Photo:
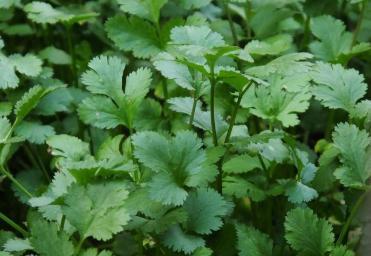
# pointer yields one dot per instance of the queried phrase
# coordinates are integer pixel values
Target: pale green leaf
(337, 87)
(352, 144)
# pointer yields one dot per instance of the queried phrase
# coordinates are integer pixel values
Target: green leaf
(241, 164)
(101, 112)
(172, 69)
(178, 162)
(55, 56)
(5, 127)
(111, 106)
(195, 41)
(205, 208)
(337, 87)
(308, 234)
(202, 118)
(44, 13)
(17, 245)
(353, 145)
(29, 65)
(299, 192)
(105, 77)
(334, 41)
(146, 9)
(341, 251)
(134, 35)
(241, 187)
(192, 4)
(8, 79)
(103, 208)
(252, 242)
(47, 239)
(271, 46)
(275, 104)
(286, 65)
(30, 100)
(61, 146)
(34, 132)
(178, 241)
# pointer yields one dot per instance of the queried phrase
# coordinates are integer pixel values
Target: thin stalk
(350, 218)
(306, 35)
(193, 111)
(360, 21)
(63, 221)
(79, 245)
(36, 162)
(235, 111)
(330, 123)
(15, 181)
(247, 21)
(162, 43)
(13, 224)
(71, 51)
(164, 88)
(230, 21)
(212, 105)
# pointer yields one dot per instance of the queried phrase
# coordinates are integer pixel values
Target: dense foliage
(183, 127)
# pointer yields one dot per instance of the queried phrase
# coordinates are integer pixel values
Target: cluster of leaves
(183, 127)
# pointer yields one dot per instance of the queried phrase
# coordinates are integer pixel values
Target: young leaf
(308, 234)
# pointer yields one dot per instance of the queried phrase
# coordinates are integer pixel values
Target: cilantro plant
(184, 127)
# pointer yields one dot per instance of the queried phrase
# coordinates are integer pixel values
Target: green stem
(235, 111)
(79, 245)
(15, 182)
(248, 15)
(230, 21)
(13, 224)
(330, 123)
(71, 51)
(212, 105)
(63, 221)
(350, 218)
(306, 35)
(36, 162)
(193, 110)
(164, 88)
(360, 21)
